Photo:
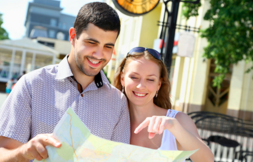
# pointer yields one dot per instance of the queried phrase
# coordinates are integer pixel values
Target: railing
(229, 138)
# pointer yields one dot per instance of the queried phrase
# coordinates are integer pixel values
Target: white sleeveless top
(168, 140)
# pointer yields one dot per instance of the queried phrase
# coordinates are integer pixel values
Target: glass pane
(51, 33)
(28, 62)
(5, 60)
(53, 22)
(16, 65)
(42, 60)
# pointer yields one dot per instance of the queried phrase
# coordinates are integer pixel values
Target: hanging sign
(186, 44)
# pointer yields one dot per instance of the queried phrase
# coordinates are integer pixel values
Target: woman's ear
(160, 84)
(72, 36)
(122, 79)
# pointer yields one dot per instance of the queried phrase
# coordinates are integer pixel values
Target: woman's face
(141, 79)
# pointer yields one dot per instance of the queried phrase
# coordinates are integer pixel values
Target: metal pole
(172, 22)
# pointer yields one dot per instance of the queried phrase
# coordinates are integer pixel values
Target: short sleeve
(15, 113)
(121, 132)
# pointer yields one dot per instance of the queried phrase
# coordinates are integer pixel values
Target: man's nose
(98, 53)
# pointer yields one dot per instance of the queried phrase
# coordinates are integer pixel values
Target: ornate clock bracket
(171, 20)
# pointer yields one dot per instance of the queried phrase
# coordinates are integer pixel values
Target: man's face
(93, 49)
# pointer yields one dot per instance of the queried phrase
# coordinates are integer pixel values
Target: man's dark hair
(98, 13)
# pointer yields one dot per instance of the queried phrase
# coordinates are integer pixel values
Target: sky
(14, 14)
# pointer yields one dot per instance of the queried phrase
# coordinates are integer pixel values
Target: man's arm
(14, 151)
(15, 128)
(8, 150)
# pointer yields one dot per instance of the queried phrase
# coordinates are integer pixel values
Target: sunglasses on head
(153, 52)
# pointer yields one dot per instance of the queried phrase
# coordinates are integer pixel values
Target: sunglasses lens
(154, 53)
(137, 49)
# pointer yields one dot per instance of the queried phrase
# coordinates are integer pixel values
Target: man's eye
(91, 42)
(109, 47)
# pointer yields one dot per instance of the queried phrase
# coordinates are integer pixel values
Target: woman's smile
(138, 94)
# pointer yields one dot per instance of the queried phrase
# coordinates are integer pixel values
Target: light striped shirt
(41, 97)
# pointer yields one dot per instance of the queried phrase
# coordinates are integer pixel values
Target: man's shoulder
(42, 74)
(115, 92)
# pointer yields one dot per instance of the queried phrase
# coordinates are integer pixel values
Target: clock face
(135, 7)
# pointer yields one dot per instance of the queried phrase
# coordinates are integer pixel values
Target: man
(41, 97)
(23, 73)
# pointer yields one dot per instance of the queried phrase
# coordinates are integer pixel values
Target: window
(53, 22)
(64, 26)
(51, 34)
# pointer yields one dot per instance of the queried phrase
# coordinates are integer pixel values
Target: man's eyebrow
(110, 44)
(94, 40)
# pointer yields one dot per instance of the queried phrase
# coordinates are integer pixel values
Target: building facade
(21, 55)
(44, 19)
(191, 77)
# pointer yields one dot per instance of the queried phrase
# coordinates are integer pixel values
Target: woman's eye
(151, 80)
(133, 77)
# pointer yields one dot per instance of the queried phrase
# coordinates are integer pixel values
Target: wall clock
(135, 7)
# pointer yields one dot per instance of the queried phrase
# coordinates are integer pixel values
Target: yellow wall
(246, 103)
(190, 82)
(235, 92)
(192, 89)
(149, 28)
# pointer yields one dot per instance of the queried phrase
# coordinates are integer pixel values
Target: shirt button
(82, 95)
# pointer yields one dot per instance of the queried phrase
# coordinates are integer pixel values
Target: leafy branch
(3, 32)
(230, 35)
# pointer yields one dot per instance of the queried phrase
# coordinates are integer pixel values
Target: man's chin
(91, 73)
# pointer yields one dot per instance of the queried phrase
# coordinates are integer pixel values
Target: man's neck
(80, 77)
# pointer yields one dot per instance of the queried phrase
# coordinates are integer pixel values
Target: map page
(79, 145)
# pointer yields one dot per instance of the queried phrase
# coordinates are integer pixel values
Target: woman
(9, 85)
(142, 76)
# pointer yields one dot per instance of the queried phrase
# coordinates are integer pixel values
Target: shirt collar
(64, 71)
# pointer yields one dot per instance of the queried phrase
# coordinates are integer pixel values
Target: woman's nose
(141, 84)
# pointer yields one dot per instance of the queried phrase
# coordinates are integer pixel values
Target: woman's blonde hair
(163, 98)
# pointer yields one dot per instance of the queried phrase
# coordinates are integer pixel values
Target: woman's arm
(185, 132)
(187, 136)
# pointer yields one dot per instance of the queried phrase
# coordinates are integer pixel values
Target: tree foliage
(190, 9)
(3, 32)
(230, 34)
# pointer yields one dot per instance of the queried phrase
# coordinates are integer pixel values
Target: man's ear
(72, 36)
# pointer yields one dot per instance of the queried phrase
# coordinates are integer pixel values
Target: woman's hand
(156, 125)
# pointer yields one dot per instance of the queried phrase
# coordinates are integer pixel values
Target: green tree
(3, 32)
(230, 34)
